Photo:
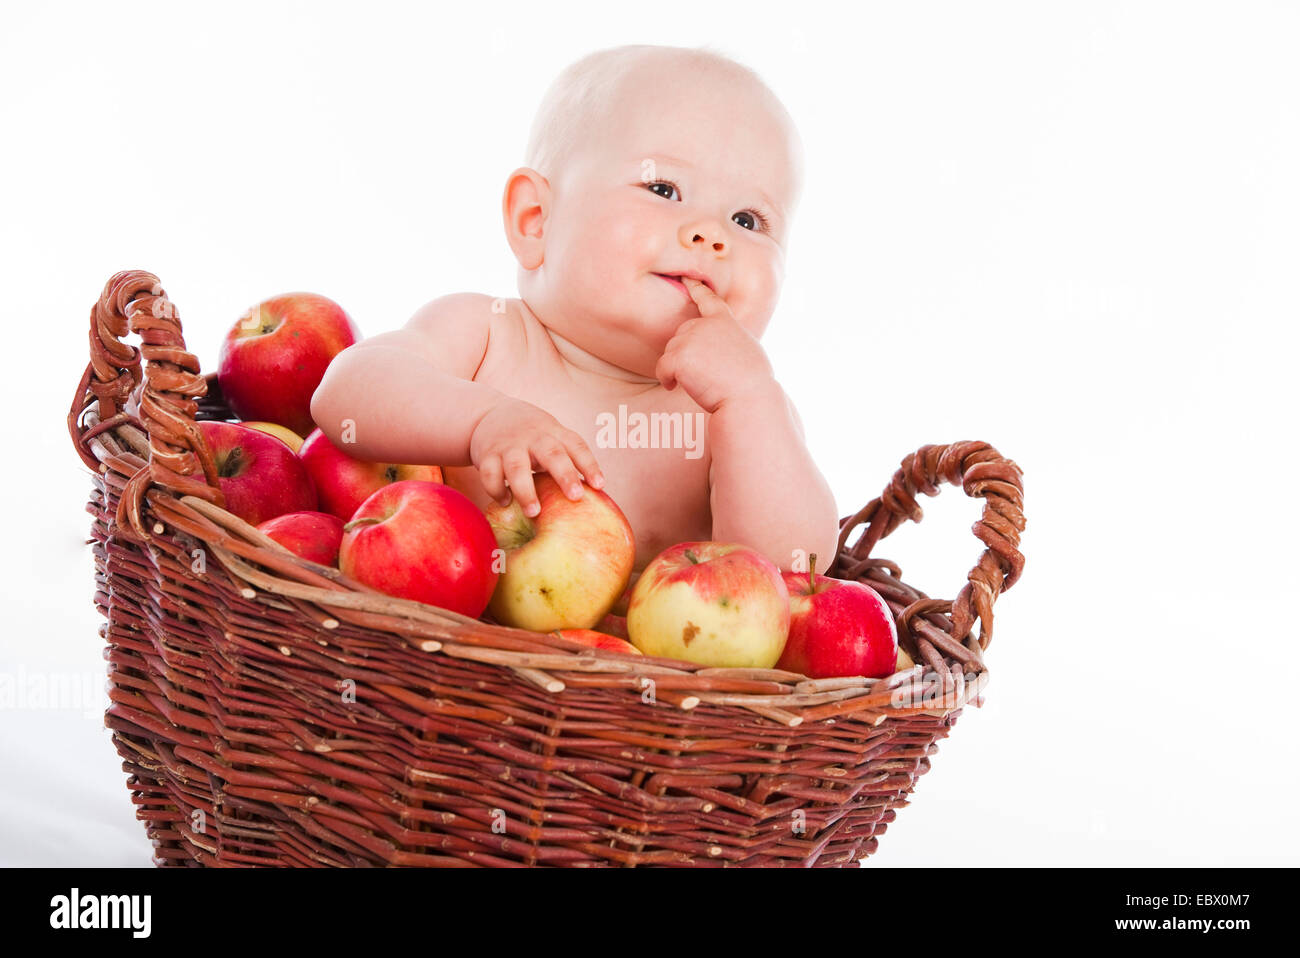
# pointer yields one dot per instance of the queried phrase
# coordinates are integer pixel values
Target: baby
(650, 225)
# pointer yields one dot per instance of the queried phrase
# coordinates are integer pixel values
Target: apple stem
(691, 555)
(230, 466)
(812, 564)
(364, 520)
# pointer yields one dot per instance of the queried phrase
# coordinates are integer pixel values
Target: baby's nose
(694, 235)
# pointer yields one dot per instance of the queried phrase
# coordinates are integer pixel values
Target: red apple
(423, 541)
(564, 567)
(599, 640)
(344, 482)
(613, 625)
(276, 354)
(259, 475)
(714, 603)
(312, 535)
(837, 627)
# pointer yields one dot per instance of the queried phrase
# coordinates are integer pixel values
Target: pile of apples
(399, 529)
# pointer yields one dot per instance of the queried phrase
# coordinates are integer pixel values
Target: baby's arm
(411, 398)
(409, 392)
(765, 489)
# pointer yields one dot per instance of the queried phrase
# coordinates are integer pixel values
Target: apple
(599, 640)
(424, 541)
(344, 482)
(564, 568)
(291, 438)
(259, 475)
(276, 354)
(837, 628)
(312, 535)
(714, 603)
(613, 625)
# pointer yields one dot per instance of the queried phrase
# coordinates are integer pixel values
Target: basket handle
(179, 458)
(981, 471)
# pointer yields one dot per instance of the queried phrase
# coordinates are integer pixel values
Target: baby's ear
(525, 207)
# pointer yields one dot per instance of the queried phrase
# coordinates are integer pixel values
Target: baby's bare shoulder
(519, 342)
(455, 331)
(469, 311)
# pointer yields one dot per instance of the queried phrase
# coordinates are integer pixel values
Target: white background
(1071, 230)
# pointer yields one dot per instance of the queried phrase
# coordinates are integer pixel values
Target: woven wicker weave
(270, 711)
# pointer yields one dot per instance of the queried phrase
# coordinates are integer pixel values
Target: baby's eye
(672, 188)
(754, 219)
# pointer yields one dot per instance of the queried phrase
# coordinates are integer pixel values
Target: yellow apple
(714, 603)
(291, 438)
(564, 568)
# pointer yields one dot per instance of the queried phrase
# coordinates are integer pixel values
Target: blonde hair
(581, 97)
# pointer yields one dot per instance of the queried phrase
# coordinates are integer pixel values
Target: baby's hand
(713, 357)
(516, 436)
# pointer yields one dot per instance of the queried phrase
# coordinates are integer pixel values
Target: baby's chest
(655, 459)
(655, 463)
(664, 495)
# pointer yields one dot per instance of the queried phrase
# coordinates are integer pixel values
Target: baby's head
(645, 160)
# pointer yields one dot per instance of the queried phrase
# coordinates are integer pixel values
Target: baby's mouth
(676, 282)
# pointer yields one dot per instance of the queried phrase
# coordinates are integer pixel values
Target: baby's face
(687, 177)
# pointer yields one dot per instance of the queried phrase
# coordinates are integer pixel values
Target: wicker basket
(270, 711)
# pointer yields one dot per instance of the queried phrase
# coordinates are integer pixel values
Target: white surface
(1067, 229)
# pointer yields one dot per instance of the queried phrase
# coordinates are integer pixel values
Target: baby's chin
(606, 338)
(609, 321)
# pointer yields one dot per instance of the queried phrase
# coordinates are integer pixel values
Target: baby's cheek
(585, 272)
(624, 237)
(753, 306)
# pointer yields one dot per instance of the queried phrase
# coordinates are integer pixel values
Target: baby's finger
(555, 460)
(664, 371)
(709, 302)
(586, 461)
(520, 475)
(491, 474)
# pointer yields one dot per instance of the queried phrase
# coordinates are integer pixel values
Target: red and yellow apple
(423, 541)
(259, 475)
(344, 482)
(564, 568)
(276, 354)
(291, 438)
(599, 640)
(312, 535)
(837, 628)
(714, 603)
